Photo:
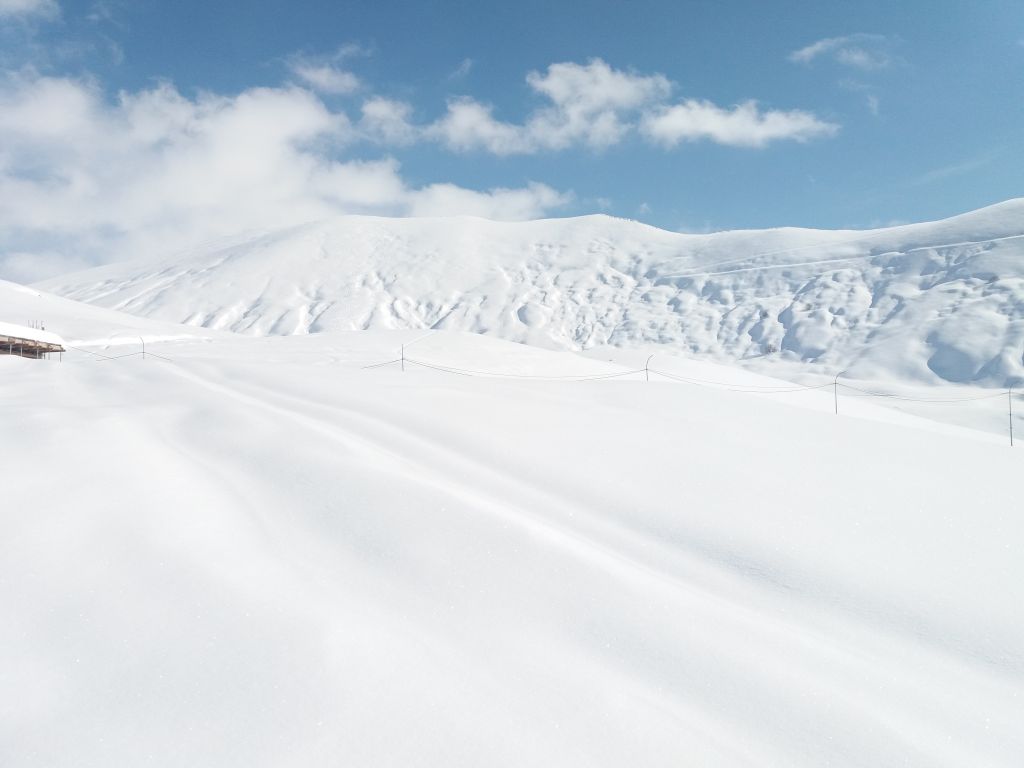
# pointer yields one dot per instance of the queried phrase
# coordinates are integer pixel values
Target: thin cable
(869, 393)
(378, 365)
(420, 338)
(437, 368)
(119, 357)
(88, 352)
(488, 374)
(741, 388)
(131, 354)
(471, 372)
(751, 389)
(691, 380)
(144, 354)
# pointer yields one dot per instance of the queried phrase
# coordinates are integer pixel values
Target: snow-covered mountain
(932, 302)
(82, 324)
(279, 536)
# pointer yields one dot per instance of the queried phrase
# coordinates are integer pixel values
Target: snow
(26, 332)
(259, 552)
(369, 529)
(925, 304)
(77, 324)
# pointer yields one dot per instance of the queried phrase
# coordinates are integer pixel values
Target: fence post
(647, 373)
(1009, 401)
(403, 358)
(835, 390)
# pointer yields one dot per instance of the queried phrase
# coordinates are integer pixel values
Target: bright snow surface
(259, 553)
(16, 331)
(932, 303)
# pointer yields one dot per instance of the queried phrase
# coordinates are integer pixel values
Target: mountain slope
(262, 554)
(939, 301)
(84, 325)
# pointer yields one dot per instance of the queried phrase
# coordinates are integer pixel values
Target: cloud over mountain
(155, 169)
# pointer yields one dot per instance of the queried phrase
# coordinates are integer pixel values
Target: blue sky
(135, 124)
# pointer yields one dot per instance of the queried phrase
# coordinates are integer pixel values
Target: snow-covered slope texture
(261, 555)
(941, 301)
(84, 325)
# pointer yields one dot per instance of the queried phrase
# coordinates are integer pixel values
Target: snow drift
(932, 303)
(261, 554)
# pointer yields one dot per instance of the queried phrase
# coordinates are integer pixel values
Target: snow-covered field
(933, 303)
(259, 553)
(319, 545)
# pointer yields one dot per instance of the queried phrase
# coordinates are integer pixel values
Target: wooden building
(23, 341)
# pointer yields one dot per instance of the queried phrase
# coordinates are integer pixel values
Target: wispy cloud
(744, 125)
(529, 202)
(24, 8)
(960, 168)
(464, 68)
(325, 78)
(108, 12)
(325, 73)
(871, 100)
(353, 50)
(861, 51)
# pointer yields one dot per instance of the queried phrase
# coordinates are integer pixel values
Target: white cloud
(469, 125)
(745, 125)
(325, 78)
(865, 52)
(531, 202)
(44, 8)
(588, 104)
(388, 121)
(323, 73)
(85, 180)
(597, 106)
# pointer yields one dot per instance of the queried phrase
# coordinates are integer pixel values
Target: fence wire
(850, 390)
(103, 358)
(754, 389)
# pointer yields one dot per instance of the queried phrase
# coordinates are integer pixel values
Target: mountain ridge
(932, 302)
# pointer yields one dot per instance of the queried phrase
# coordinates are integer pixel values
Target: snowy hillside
(929, 303)
(261, 553)
(81, 324)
